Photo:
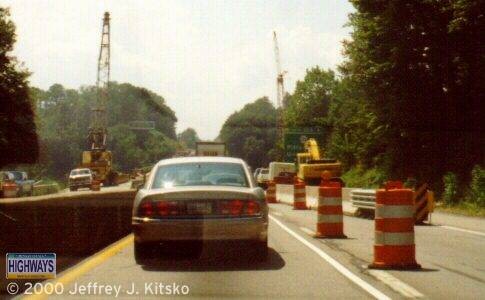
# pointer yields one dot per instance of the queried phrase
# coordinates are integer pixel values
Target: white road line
(463, 230)
(340, 268)
(396, 284)
(307, 231)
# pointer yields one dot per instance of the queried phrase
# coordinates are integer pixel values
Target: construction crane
(98, 131)
(98, 159)
(280, 87)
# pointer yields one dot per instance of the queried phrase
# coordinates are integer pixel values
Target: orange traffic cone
(394, 246)
(330, 223)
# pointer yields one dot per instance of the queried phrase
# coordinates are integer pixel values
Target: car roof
(81, 169)
(196, 159)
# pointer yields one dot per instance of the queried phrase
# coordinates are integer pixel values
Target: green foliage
(64, 117)
(420, 65)
(18, 138)
(188, 138)
(477, 186)
(364, 178)
(450, 194)
(251, 132)
(308, 106)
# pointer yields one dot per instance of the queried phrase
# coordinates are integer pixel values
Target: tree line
(404, 104)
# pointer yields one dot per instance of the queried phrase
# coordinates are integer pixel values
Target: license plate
(199, 208)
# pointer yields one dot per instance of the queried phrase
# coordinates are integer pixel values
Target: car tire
(260, 250)
(72, 189)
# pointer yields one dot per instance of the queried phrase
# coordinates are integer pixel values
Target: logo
(31, 265)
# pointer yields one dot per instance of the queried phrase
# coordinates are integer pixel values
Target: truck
(210, 149)
(311, 165)
(99, 161)
(282, 172)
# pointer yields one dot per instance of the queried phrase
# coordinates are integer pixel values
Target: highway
(299, 266)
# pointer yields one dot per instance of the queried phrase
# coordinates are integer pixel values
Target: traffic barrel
(271, 192)
(299, 195)
(10, 189)
(394, 246)
(330, 222)
(95, 185)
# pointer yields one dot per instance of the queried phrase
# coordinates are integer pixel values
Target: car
(197, 199)
(25, 186)
(8, 187)
(256, 173)
(263, 178)
(80, 178)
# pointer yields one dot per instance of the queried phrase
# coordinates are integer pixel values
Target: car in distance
(263, 178)
(200, 199)
(25, 186)
(256, 173)
(80, 178)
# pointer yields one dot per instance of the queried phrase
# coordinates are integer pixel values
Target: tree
(18, 138)
(308, 105)
(251, 132)
(420, 66)
(188, 138)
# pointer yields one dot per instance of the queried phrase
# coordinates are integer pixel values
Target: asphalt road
(299, 266)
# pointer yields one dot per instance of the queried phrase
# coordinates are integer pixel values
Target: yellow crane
(98, 158)
(311, 164)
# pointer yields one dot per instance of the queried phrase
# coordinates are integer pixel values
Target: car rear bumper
(153, 230)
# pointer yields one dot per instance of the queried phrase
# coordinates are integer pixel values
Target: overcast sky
(206, 58)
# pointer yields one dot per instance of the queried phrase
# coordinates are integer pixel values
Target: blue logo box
(31, 265)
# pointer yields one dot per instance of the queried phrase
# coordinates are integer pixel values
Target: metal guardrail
(363, 198)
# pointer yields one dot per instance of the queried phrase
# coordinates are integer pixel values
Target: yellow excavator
(311, 165)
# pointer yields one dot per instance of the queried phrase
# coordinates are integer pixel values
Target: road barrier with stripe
(394, 246)
(365, 200)
(330, 220)
(299, 195)
(271, 192)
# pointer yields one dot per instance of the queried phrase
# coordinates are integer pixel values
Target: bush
(450, 193)
(476, 192)
(360, 178)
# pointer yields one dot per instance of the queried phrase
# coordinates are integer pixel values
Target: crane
(98, 158)
(97, 130)
(280, 87)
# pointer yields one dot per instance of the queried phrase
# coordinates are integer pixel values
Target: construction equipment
(310, 165)
(280, 87)
(98, 158)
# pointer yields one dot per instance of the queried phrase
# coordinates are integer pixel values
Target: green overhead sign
(294, 142)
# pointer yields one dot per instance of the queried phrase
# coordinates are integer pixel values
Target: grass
(462, 208)
(367, 179)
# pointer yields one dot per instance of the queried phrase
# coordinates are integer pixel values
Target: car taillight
(236, 207)
(239, 207)
(252, 208)
(146, 209)
(162, 208)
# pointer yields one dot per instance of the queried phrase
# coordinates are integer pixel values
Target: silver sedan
(200, 199)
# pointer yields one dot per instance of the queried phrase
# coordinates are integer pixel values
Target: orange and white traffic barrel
(95, 185)
(394, 246)
(271, 192)
(330, 222)
(299, 195)
(10, 189)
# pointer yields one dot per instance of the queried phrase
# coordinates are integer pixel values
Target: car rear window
(264, 172)
(197, 174)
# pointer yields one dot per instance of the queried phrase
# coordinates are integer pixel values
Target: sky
(207, 59)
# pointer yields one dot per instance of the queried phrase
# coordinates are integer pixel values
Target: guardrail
(364, 199)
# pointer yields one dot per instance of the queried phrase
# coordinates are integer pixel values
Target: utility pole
(98, 131)
(280, 87)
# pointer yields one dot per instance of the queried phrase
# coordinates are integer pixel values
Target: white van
(276, 168)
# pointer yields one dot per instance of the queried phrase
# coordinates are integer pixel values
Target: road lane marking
(277, 213)
(89, 264)
(307, 231)
(395, 284)
(339, 267)
(463, 230)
